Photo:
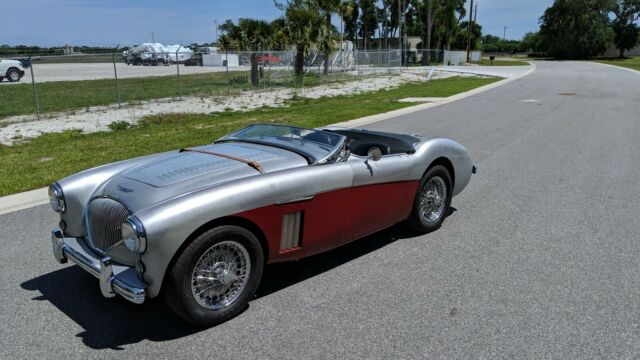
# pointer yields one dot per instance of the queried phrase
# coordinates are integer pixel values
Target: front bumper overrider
(114, 278)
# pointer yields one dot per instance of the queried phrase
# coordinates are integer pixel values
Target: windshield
(316, 146)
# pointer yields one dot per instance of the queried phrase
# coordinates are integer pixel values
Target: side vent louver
(291, 230)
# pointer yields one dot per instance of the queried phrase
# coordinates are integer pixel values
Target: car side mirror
(374, 153)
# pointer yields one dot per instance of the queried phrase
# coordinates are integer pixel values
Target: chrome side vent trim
(291, 231)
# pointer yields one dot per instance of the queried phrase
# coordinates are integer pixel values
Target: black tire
(178, 288)
(13, 75)
(418, 222)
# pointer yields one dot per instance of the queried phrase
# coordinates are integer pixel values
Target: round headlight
(133, 235)
(56, 198)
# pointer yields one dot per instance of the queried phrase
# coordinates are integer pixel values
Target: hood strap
(254, 164)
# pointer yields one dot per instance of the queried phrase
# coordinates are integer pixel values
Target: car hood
(172, 174)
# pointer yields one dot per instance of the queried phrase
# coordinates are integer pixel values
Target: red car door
(382, 195)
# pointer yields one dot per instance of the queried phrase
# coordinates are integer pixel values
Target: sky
(128, 22)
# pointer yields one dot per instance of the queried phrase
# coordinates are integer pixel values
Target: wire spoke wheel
(220, 275)
(433, 199)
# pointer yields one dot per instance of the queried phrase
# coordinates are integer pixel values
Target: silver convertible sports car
(198, 225)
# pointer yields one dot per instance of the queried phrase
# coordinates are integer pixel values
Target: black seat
(362, 149)
(360, 141)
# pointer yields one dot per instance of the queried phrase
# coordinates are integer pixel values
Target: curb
(33, 198)
(616, 67)
(24, 200)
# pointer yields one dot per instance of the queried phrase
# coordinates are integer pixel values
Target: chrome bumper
(114, 278)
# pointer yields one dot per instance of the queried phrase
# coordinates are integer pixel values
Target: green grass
(79, 59)
(501, 62)
(79, 95)
(38, 162)
(631, 63)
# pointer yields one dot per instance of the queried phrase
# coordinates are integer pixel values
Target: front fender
(169, 224)
(79, 188)
(431, 150)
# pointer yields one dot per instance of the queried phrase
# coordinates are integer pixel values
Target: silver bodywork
(174, 194)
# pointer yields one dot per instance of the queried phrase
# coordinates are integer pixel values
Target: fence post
(178, 74)
(226, 56)
(33, 89)
(269, 70)
(115, 72)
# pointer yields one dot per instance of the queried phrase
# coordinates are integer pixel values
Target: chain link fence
(85, 83)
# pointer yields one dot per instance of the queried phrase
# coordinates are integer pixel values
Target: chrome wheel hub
(433, 200)
(220, 275)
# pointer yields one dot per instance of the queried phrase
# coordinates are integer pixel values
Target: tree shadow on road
(114, 323)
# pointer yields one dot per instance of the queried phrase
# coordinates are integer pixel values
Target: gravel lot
(98, 118)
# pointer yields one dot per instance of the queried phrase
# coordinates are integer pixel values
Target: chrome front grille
(105, 217)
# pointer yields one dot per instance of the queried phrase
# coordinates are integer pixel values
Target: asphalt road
(541, 258)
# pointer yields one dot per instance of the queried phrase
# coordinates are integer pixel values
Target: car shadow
(114, 323)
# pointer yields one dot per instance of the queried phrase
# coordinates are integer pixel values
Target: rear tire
(433, 200)
(13, 75)
(215, 276)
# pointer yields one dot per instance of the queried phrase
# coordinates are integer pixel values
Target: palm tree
(328, 8)
(249, 34)
(256, 36)
(327, 43)
(304, 29)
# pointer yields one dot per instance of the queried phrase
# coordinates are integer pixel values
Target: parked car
(267, 59)
(198, 225)
(12, 70)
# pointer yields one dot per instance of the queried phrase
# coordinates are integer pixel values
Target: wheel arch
(444, 161)
(226, 220)
(12, 68)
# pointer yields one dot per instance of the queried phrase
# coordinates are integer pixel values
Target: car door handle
(300, 199)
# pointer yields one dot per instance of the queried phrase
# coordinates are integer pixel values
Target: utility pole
(342, 39)
(475, 13)
(400, 34)
(153, 38)
(504, 39)
(469, 25)
(215, 22)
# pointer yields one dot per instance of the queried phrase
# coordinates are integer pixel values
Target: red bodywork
(335, 218)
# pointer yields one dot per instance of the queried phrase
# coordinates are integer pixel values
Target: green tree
(576, 29)
(462, 36)
(248, 35)
(627, 33)
(329, 33)
(304, 28)
(368, 20)
(448, 17)
(530, 43)
(351, 19)
(428, 9)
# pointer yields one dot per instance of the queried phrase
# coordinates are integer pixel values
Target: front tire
(433, 200)
(13, 75)
(215, 276)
